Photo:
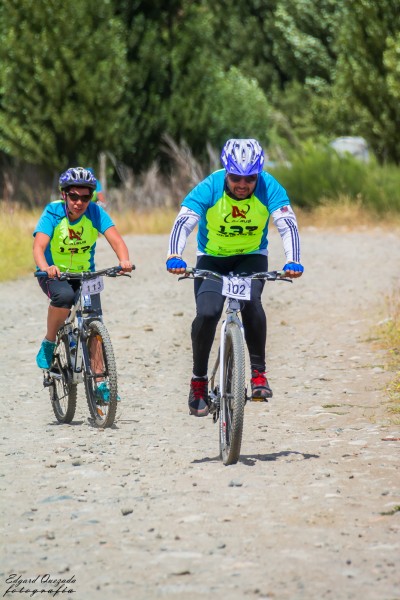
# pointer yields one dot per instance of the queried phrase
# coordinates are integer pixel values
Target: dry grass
(388, 333)
(17, 225)
(345, 214)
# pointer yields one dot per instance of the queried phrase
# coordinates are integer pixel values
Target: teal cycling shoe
(103, 392)
(45, 354)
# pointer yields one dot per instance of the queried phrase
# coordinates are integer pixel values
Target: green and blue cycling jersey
(228, 226)
(72, 243)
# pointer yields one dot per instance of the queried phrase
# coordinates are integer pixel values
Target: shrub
(316, 173)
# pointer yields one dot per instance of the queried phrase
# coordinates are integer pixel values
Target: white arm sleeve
(184, 224)
(286, 223)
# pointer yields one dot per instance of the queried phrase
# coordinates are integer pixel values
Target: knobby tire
(63, 393)
(233, 402)
(100, 351)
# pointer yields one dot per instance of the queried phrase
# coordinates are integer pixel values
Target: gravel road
(146, 510)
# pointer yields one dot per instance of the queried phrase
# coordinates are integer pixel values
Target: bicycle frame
(81, 355)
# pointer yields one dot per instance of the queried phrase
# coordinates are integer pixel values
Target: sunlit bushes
(317, 173)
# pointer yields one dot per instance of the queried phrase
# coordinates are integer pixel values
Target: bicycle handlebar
(84, 275)
(192, 273)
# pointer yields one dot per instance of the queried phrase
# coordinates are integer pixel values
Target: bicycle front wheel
(63, 393)
(234, 398)
(101, 375)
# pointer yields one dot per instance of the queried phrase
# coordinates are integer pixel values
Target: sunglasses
(238, 178)
(77, 197)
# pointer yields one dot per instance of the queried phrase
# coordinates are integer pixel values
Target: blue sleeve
(206, 193)
(276, 195)
(100, 218)
(49, 218)
(99, 187)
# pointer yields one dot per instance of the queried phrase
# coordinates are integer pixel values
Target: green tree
(178, 83)
(278, 41)
(304, 39)
(367, 78)
(149, 42)
(287, 46)
(210, 103)
(391, 59)
(244, 38)
(62, 81)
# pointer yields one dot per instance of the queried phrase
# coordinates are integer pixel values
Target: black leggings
(210, 302)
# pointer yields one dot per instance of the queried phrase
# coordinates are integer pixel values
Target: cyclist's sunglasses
(85, 198)
(238, 178)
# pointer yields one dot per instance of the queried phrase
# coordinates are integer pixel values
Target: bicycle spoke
(101, 376)
(63, 392)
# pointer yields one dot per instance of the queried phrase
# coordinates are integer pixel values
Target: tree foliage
(178, 83)
(368, 72)
(63, 76)
(83, 76)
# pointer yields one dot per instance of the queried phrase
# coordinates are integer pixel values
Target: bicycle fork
(218, 391)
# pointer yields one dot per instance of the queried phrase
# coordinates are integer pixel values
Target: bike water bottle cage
(242, 157)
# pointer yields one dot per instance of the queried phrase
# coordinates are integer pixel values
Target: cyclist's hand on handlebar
(126, 266)
(176, 265)
(293, 270)
(52, 271)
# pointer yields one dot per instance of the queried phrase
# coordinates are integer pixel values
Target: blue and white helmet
(242, 157)
(77, 176)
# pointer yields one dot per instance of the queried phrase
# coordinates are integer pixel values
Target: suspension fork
(80, 359)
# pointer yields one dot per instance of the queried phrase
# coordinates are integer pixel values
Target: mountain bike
(84, 353)
(228, 395)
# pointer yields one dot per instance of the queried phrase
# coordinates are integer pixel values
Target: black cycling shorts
(62, 293)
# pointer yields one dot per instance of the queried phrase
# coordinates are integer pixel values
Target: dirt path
(146, 510)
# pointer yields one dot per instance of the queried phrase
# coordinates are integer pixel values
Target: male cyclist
(232, 208)
(65, 240)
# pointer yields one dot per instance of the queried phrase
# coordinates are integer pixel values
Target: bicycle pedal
(55, 374)
(47, 382)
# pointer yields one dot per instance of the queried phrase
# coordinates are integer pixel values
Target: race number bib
(236, 287)
(93, 286)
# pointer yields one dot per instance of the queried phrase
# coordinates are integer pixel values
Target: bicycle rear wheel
(233, 401)
(102, 373)
(63, 393)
